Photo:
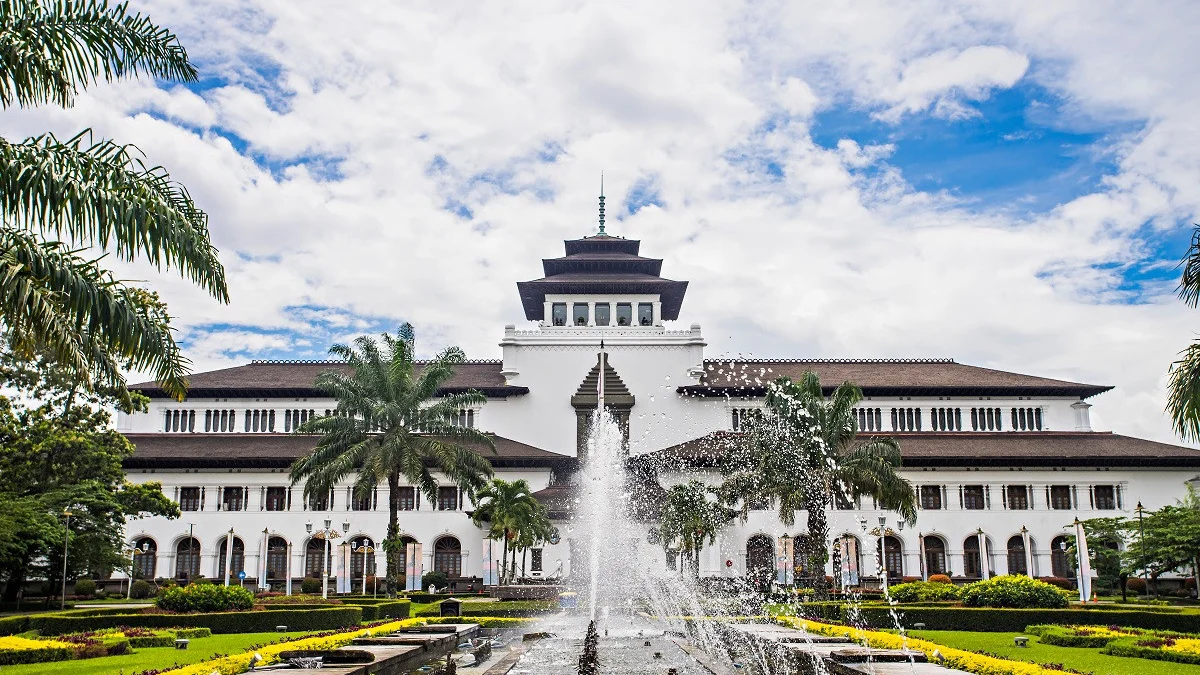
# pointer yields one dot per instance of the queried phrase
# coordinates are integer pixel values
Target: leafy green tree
(392, 423)
(692, 515)
(55, 461)
(1105, 539)
(1166, 540)
(803, 453)
(513, 515)
(61, 199)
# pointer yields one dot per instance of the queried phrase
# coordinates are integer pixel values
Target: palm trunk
(818, 547)
(504, 561)
(394, 573)
(524, 555)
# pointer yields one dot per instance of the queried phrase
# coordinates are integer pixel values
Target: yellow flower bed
(14, 650)
(234, 665)
(1185, 645)
(953, 658)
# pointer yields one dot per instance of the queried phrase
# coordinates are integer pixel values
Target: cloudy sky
(1008, 184)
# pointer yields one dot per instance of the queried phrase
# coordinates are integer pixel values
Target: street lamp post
(66, 542)
(1142, 543)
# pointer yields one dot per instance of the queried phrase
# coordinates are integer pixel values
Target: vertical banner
(1084, 565)
(921, 552)
(343, 572)
(262, 561)
(784, 574)
(229, 555)
(412, 563)
(985, 566)
(287, 567)
(849, 546)
(1028, 553)
(490, 573)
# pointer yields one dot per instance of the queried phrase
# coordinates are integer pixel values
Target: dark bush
(510, 608)
(438, 579)
(1136, 584)
(206, 598)
(987, 620)
(200, 581)
(85, 587)
(1058, 582)
(259, 621)
(141, 589)
(385, 609)
(923, 591)
(939, 579)
(1014, 591)
(310, 585)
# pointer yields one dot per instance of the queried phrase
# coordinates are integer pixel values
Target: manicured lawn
(1085, 660)
(200, 649)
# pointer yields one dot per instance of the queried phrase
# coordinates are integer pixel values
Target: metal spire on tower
(601, 203)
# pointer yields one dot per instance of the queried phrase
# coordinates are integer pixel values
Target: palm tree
(803, 453)
(689, 518)
(60, 198)
(391, 423)
(1183, 390)
(513, 515)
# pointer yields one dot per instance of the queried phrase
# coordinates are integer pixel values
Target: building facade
(1003, 462)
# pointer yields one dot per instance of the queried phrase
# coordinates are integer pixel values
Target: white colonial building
(1001, 459)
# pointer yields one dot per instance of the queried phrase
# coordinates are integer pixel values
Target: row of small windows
(1021, 497)
(264, 420)
(913, 419)
(579, 313)
(193, 498)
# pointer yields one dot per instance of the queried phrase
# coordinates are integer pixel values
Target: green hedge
(383, 609)
(145, 641)
(31, 605)
(259, 621)
(11, 625)
(205, 598)
(1066, 637)
(510, 608)
(1129, 647)
(998, 620)
(193, 633)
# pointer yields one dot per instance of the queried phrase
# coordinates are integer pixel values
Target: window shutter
(220, 497)
(262, 501)
(987, 497)
(202, 491)
(1004, 496)
(1120, 497)
(417, 498)
(1092, 497)
(962, 503)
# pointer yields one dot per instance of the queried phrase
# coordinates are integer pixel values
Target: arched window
(971, 566)
(935, 555)
(760, 559)
(1016, 555)
(187, 558)
(1060, 564)
(403, 555)
(312, 558)
(800, 544)
(447, 556)
(362, 552)
(277, 558)
(239, 559)
(145, 561)
(893, 557)
(847, 559)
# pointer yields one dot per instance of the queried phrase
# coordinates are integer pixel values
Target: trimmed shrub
(988, 620)
(939, 579)
(1058, 582)
(385, 609)
(200, 581)
(924, 591)
(205, 598)
(1067, 637)
(14, 650)
(1136, 584)
(1149, 648)
(11, 625)
(140, 590)
(310, 585)
(258, 621)
(191, 633)
(508, 608)
(1014, 591)
(85, 587)
(438, 579)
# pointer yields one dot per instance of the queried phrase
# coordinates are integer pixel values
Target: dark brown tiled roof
(882, 377)
(965, 448)
(280, 450)
(295, 378)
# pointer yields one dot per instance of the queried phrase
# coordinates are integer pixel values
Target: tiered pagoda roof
(602, 264)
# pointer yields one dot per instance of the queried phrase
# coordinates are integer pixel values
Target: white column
(657, 313)
(1083, 421)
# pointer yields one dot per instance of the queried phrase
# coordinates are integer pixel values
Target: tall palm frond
(1183, 393)
(50, 51)
(54, 298)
